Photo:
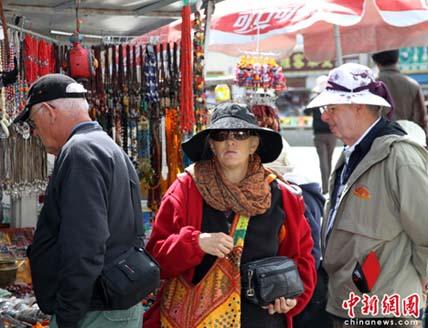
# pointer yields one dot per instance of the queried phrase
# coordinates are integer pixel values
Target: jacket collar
(84, 127)
(374, 147)
(389, 68)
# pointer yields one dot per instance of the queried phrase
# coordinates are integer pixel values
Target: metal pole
(208, 15)
(5, 35)
(1, 205)
(339, 59)
(258, 40)
(41, 36)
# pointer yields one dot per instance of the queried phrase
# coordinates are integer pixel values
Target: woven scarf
(250, 197)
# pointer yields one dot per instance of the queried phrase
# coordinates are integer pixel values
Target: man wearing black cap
(88, 218)
(406, 92)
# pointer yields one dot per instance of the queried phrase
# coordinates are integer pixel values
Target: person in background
(374, 236)
(192, 233)
(267, 117)
(88, 217)
(314, 314)
(414, 132)
(406, 92)
(324, 140)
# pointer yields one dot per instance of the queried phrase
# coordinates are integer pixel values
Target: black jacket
(87, 220)
(318, 125)
(314, 206)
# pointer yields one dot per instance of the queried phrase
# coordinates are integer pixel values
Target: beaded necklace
(201, 113)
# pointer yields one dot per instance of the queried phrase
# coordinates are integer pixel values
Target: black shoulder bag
(134, 274)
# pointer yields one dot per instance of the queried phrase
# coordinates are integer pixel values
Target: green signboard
(298, 62)
(414, 60)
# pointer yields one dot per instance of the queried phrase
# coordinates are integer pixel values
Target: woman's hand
(281, 305)
(218, 243)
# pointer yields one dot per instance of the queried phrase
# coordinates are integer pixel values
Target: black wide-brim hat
(229, 116)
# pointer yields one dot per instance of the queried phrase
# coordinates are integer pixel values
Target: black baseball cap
(50, 87)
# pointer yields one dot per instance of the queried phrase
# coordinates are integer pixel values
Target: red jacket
(174, 240)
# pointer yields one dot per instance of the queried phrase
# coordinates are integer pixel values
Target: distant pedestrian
(414, 132)
(324, 140)
(406, 92)
(314, 314)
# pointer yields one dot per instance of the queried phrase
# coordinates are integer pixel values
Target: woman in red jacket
(224, 211)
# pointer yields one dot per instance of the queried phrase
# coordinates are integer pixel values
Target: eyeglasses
(327, 109)
(30, 121)
(239, 135)
(31, 124)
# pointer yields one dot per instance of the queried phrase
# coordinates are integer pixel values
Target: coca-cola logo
(290, 17)
(251, 23)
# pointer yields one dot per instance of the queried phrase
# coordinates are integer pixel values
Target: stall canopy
(99, 18)
(364, 26)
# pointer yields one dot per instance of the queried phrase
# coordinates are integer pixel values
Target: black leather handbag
(134, 274)
(267, 279)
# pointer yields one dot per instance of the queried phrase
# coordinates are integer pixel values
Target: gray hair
(375, 110)
(68, 106)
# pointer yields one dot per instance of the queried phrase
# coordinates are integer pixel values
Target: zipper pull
(250, 290)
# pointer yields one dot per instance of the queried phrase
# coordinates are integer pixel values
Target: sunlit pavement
(303, 153)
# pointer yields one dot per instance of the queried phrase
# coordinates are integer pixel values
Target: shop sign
(294, 122)
(298, 62)
(414, 59)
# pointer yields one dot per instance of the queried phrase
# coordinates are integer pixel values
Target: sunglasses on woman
(239, 135)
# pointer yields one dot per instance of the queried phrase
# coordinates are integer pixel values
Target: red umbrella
(165, 34)
(364, 26)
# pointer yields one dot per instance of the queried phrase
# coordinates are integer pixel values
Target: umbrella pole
(208, 15)
(339, 59)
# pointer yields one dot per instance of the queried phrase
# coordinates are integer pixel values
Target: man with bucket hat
(87, 219)
(374, 236)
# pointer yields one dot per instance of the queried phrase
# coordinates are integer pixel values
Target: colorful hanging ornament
(201, 113)
(254, 72)
(186, 87)
(153, 108)
(80, 60)
(31, 49)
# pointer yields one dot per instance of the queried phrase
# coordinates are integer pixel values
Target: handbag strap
(240, 225)
(135, 197)
(240, 222)
(240, 229)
